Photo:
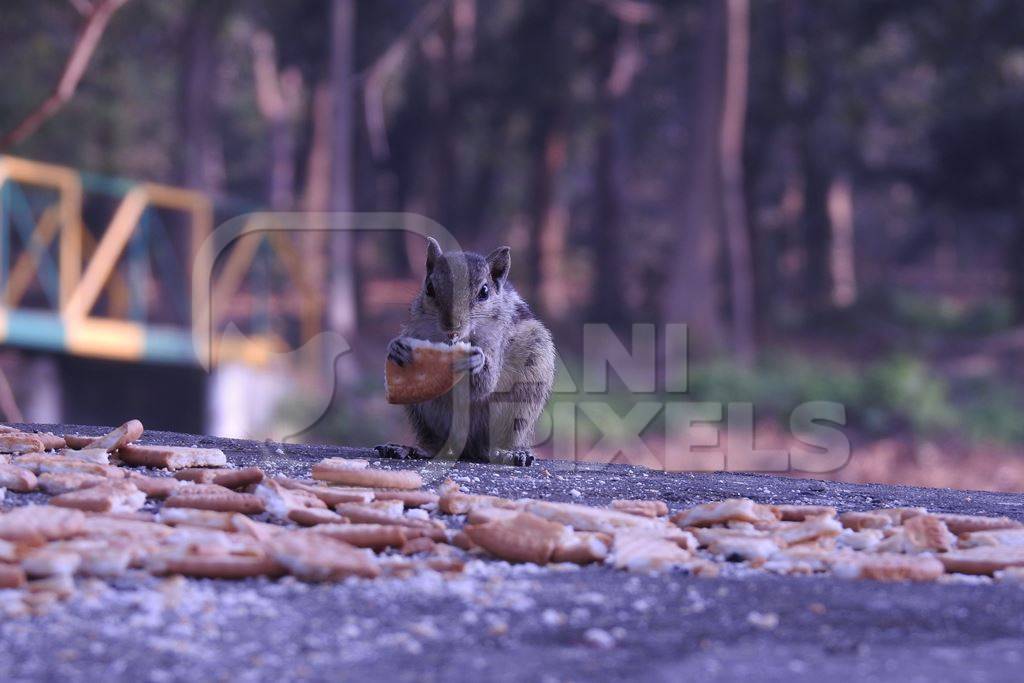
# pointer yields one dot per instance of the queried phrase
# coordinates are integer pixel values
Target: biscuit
(362, 514)
(410, 499)
(733, 509)
(331, 495)
(458, 503)
(98, 557)
(314, 557)
(811, 529)
(214, 566)
(798, 513)
(1005, 537)
(644, 508)
(585, 518)
(11, 576)
(99, 456)
(280, 501)
(172, 457)
(583, 547)
(983, 559)
(51, 442)
(20, 442)
(49, 561)
(524, 538)
(209, 519)
(46, 462)
(889, 567)
(429, 375)
(866, 520)
(228, 478)
(154, 487)
(645, 553)
(959, 524)
(314, 516)
(118, 438)
(330, 471)
(926, 533)
(223, 502)
(56, 483)
(36, 524)
(375, 536)
(744, 548)
(17, 478)
(112, 496)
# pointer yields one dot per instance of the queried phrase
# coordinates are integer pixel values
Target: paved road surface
(500, 622)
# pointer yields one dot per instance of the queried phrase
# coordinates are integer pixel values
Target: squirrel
(467, 297)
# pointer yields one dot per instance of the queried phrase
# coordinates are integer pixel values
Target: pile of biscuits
(205, 518)
(892, 544)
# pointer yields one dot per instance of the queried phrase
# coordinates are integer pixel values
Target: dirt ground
(507, 622)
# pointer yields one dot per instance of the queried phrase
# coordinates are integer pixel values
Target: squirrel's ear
(433, 253)
(500, 261)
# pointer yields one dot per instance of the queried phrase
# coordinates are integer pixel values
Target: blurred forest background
(830, 192)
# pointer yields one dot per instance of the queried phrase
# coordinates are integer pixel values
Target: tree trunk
(609, 304)
(734, 112)
(843, 258)
(201, 165)
(551, 223)
(812, 151)
(817, 230)
(317, 195)
(277, 94)
(1015, 257)
(691, 295)
(440, 170)
(341, 306)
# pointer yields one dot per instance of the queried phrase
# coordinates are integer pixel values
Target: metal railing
(102, 267)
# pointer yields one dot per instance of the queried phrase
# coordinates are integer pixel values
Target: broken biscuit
(172, 457)
(643, 508)
(315, 557)
(17, 478)
(733, 509)
(331, 470)
(111, 496)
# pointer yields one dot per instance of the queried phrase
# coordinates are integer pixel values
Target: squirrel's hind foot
(517, 457)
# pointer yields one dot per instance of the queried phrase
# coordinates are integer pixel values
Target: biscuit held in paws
(428, 376)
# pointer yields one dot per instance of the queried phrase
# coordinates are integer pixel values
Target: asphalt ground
(502, 622)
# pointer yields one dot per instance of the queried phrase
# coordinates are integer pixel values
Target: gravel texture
(508, 622)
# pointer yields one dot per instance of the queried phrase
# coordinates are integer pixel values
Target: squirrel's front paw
(400, 351)
(472, 363)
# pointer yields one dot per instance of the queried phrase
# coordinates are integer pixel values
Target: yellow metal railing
(88, 268)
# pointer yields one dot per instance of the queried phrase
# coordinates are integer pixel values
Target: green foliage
(993, 412)
(943, 315)
(898, 392)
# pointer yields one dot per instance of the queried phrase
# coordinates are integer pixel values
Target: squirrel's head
(462, 288)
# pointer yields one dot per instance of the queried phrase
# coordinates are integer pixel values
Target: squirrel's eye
(484, 291)
(430, 289)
